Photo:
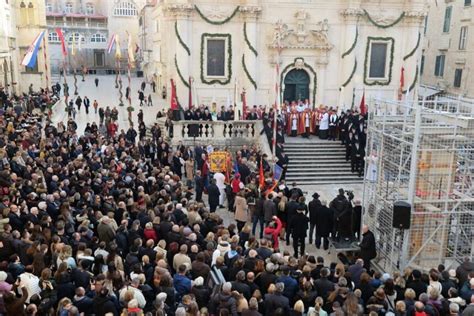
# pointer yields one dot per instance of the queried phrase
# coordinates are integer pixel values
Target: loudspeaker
(401, 215)
(193, 130)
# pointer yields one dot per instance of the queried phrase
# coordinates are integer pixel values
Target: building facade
(21, 22)
(448, 51)
(90, 25)
(327, 51)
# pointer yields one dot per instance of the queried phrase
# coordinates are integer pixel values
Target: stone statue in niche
(280, 33)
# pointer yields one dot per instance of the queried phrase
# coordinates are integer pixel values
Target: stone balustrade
(215, 130)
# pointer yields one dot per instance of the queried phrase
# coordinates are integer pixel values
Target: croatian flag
(32, 54)
(111, 44)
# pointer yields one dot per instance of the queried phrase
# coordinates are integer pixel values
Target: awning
(426, 92)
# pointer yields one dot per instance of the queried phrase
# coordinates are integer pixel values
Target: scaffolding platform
(421, 152)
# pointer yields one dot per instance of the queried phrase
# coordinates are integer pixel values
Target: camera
(350, 195)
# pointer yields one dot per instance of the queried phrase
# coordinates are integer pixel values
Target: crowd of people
(102, 222)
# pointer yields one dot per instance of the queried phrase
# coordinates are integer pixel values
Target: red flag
(402, 78)
(261, 178)
(244, 104)
(174, 101)
(190, 100)
(61, 38)
(363, 108)
(402, 83)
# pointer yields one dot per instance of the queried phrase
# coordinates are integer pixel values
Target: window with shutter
(463, 38)
(457, 78)
(467, 3)
(439, 65)
(422, 64)
(447, 19)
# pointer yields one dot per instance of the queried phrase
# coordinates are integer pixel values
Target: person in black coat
(356, 219)
(367, 247)
(313, 208)
(298, 227)
(342, 211)
(291, 208)
(213, 193)
(324, 224)
(357, 157)
(87, 104)
(198, 185)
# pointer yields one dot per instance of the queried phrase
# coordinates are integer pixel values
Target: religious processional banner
(218, 161)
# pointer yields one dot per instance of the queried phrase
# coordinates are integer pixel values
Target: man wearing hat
(313, 208)
(298, 227)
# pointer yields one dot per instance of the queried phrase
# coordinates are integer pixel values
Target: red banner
(61, 39)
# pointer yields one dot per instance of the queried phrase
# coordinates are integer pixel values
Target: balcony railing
(215, 130)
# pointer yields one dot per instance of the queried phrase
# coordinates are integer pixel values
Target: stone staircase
(315, 161)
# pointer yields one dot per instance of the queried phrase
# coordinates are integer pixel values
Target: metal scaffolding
(422, 153)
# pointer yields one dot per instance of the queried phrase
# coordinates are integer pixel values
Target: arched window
(98, 38)
(89, 8)
(68, 7)
(49, 7)
(125, 8)
(53, 37)
(76, 37)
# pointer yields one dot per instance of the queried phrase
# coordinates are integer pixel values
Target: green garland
(414, 49)
(315, 84)
(353, 44)
(254, 51)
(179, 72)
(252, 81)
(381, 25)
(217, 22)
(366, 72)
(352, 74)
(229, 61)
(412, 86)
(180, 40)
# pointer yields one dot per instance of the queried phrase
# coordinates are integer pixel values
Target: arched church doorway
(296, 85)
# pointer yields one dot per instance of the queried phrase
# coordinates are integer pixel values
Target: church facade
(326, 51)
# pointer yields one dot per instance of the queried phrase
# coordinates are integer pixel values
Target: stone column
(180, 14)
(350, 18)
(250, 14)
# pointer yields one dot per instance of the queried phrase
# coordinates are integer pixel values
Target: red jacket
(150, 233)
(274, 232)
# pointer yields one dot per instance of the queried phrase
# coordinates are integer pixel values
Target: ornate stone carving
(352, 12)
(302, 37)
(251, 11)
(299, 63)
(179, 10)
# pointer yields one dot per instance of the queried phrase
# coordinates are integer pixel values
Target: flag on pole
(32, 54)
(118, 52)
(79, 43)
(363, 107)
(244, 105)
(261, 176)
(73, 50)
(190, 97)
(61, 39)
(174, 101)
(111, 44)
(402, 83)
(131, 57)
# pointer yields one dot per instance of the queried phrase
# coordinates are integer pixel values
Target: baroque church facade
(329, 52)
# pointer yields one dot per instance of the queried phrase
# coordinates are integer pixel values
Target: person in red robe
(304, 124)
(315, 121)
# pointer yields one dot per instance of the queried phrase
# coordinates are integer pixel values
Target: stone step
(311, 145)
(329, 178)
(334, 155)
(331, 170)
(324, 182)
(316, 160)
(314, 150)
